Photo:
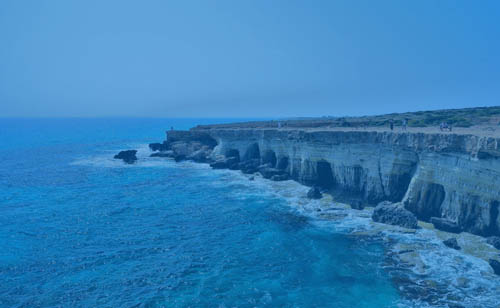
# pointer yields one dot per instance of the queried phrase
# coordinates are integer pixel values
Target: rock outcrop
(446, 176)
(128, 156)
(314, 193)
(394, 214)
(495, 265)
(494, 241)
(445, 225)
(452, 243)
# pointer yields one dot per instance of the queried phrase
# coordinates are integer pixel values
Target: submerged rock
(495, 265)
(127, 156)
(445, 225)
(314, 193)
(452, 243)
(494, 241)
(394, 214)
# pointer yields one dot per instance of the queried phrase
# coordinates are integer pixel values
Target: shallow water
(79, 229)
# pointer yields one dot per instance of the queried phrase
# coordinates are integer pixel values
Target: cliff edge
(454, 177)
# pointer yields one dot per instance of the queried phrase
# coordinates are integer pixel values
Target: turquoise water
(79, 229)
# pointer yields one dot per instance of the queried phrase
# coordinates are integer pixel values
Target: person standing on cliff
(391, 124)
(405, 123)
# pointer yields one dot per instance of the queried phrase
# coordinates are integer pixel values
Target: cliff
(442, 175)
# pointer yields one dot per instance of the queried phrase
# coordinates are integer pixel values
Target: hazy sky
(246, 58)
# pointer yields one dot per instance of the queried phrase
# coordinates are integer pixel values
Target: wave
(426, 272)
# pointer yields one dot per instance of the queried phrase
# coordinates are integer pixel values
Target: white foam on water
(105, 159)
(461, 278)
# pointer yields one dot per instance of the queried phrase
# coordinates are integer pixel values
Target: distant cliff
(456, 177)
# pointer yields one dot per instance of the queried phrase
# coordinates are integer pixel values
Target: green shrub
(416, 123)
(462, 123)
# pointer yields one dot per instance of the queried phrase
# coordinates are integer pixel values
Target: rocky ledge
(447, 179)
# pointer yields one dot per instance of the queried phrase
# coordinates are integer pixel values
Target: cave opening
(252, 152)
(233, 153)
(325, 174)
(493, 218)
(269, 157)
(282, 163)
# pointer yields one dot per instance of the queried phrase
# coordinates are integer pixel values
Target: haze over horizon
(246, 59)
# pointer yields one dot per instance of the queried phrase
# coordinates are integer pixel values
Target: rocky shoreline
(448, 180)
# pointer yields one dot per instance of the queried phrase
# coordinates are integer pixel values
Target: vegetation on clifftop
(465, 117)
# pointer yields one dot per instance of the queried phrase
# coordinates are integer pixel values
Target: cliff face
(456, 177)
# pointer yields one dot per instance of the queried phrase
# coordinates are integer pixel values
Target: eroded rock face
(425, 199)
(394, 214)
(128, 156)
(454, 177)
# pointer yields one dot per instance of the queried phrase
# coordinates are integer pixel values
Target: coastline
(426, 272)
(413, 254)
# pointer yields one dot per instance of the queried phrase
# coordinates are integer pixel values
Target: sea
(81, 229)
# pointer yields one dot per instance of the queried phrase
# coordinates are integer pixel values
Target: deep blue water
(79, 229)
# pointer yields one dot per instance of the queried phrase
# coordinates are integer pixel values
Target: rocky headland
(450, 180)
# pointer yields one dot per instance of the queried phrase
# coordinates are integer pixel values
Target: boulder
(127, 156)
(357, 205)
(494, 241)
(445, 225)
(394, 214)
(452, 243)
(279, 177)
(314, 193)
(495, 265)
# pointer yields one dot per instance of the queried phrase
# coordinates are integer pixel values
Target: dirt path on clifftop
(481, 131)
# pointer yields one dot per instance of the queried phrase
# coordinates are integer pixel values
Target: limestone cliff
(451, 176)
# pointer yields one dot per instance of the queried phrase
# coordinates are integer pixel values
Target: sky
(270, 58)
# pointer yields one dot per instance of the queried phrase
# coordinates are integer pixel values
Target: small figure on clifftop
(405, 123)
(171, 128)
(391, 124)
(444, 126)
